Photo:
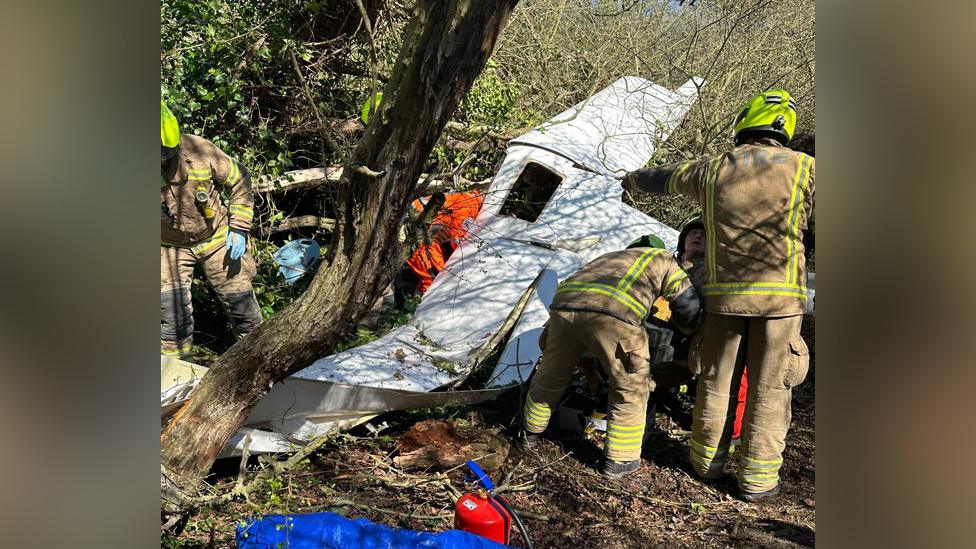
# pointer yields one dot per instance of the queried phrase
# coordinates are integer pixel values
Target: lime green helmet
(169, 131)
(647, 241)
(769, 114)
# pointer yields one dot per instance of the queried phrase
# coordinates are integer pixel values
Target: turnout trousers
(621, 348)
(230, 279)
(778, 360)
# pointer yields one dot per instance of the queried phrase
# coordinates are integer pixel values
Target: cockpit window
(531, 193)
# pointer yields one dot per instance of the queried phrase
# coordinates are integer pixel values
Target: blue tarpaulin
(332, 531)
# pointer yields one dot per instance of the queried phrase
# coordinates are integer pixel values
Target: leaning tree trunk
(445, 47)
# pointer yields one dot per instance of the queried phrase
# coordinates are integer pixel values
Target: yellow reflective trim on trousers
(640, 265)
(673, 180)
(625, 428)
(618, 446)
(607, 290)
(796, 203)
(762, 480)
(710, 242)
(621, 439)
(529, 400)
(212, 242)
(763, 461)
(536, 415)
(672, 283)
(626, 436)
(760, 468)
(707, 451)
(760, 475)
(707, 460)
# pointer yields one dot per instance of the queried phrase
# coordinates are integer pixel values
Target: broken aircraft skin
(553, 205)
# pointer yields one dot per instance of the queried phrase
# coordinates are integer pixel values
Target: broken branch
(368, 172)
(302, 222)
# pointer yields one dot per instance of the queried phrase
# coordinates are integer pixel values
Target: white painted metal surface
(618, 128)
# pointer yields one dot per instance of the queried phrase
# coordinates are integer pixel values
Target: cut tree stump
(435, 444)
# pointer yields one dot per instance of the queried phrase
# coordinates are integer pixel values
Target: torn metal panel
(176, 380)
(617, 129)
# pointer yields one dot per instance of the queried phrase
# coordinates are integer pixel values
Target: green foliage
(453, 414)
(445, 365)
(491, 100)
(274, 489)
(216, 56)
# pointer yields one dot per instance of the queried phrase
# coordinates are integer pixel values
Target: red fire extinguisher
(485, 514)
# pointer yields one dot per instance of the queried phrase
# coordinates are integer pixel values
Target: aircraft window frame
(550, 172)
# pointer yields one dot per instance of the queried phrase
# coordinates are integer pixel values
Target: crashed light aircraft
(553, 205)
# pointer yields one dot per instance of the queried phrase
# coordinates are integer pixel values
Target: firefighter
(691, 250)
(757, 200)
(198, 229)
(600, 310)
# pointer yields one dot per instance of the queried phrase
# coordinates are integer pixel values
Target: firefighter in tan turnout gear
(757, 201)
(600, 310)
(198, 229)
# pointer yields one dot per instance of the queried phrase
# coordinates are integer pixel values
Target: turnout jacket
(756, 200)
(625, 283)
(192, 212)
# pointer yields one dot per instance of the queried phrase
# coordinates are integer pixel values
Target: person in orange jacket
(448, 229)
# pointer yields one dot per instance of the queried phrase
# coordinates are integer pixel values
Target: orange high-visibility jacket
(448, 228)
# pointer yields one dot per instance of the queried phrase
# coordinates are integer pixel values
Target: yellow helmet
(169, 131)
(769, 114)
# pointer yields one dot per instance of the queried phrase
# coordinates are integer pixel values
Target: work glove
(236, 244)
(626, 182)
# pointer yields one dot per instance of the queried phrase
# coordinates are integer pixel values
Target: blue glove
(236, 244)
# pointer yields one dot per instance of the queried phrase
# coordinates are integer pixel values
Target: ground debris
(412, 475)
(436, 444)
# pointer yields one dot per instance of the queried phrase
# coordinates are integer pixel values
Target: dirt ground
(563, 501)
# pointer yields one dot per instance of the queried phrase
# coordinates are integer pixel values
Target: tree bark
(445, 46)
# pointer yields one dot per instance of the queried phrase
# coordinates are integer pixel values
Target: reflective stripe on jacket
(623, 284)
(757, 199)
(192, 212)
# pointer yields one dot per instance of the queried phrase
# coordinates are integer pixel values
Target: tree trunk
(445, 46)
